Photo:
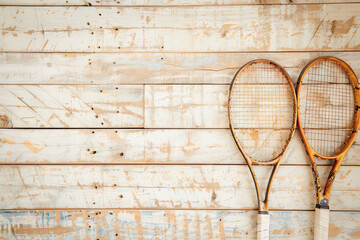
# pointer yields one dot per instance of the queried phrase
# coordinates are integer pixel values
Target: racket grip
(321, 224)
(263, 223)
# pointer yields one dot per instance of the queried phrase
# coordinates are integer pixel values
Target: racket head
(328, 117)
(262, 111)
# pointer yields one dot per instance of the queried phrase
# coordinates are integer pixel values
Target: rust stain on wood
(139, 228)
(6, 140)
(5, 121)
(31, 147)
(334, 230)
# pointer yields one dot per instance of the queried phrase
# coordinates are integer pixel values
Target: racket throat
(263, 207)
(324, 204)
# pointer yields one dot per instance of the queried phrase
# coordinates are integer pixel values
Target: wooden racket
(262, 113)
(329, 100)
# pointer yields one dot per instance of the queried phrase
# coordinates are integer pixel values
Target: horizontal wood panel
(61, 106)
(224, 28)
(146, 68)
(161, 2)
(124, 146)
(172, 187)
(186, 106)
(167, 224)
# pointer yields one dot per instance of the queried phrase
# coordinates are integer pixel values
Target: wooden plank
(146, 68)
(167, 224)
(125, 146)
(169, 187)
(186, 106)
(161, 2)
(61, 106)
(205, 29)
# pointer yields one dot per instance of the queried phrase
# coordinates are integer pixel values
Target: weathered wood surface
(170, 187)
(62, 106)
(204, 29)
(142, 146)
(186, 106)
(146, 68)
(162, 2)
(167, 224)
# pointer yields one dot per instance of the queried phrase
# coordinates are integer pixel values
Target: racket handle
(321, 224)
(263, 223)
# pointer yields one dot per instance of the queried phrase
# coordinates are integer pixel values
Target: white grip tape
(321, 224)
(263, 223)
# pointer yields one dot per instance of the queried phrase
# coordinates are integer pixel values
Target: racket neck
(263, 205)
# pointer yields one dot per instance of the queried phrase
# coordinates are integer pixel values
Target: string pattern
(262, 111)
(327, 107)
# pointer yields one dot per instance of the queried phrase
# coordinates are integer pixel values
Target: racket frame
(263, 205)
(324, 197)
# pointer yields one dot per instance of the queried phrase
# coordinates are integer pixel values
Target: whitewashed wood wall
(114, 120)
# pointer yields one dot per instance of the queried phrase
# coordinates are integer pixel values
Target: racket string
(328, 100)
(262, 111)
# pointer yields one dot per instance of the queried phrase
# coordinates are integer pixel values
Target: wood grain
(162, 2)
(186, 106)
(169, 187)
(146, 68)
(61, 106)
(143, 146)
(167, 224)
(160, 29)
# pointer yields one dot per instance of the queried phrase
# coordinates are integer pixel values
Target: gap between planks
(166, 209)
(176, 5)
(194, 52)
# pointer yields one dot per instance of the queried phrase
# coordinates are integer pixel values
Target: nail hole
(121, 196)
(93, 152)
(92, 132)
(88, 150)
(99, 14)
(88, 23)
(114, 184)
(102, 123)
(117, 111)
(121, 154)
(92, 108)
(100, 90)
(96, 116)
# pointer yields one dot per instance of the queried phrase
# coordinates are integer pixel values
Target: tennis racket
(262, 113)
(329, 100)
